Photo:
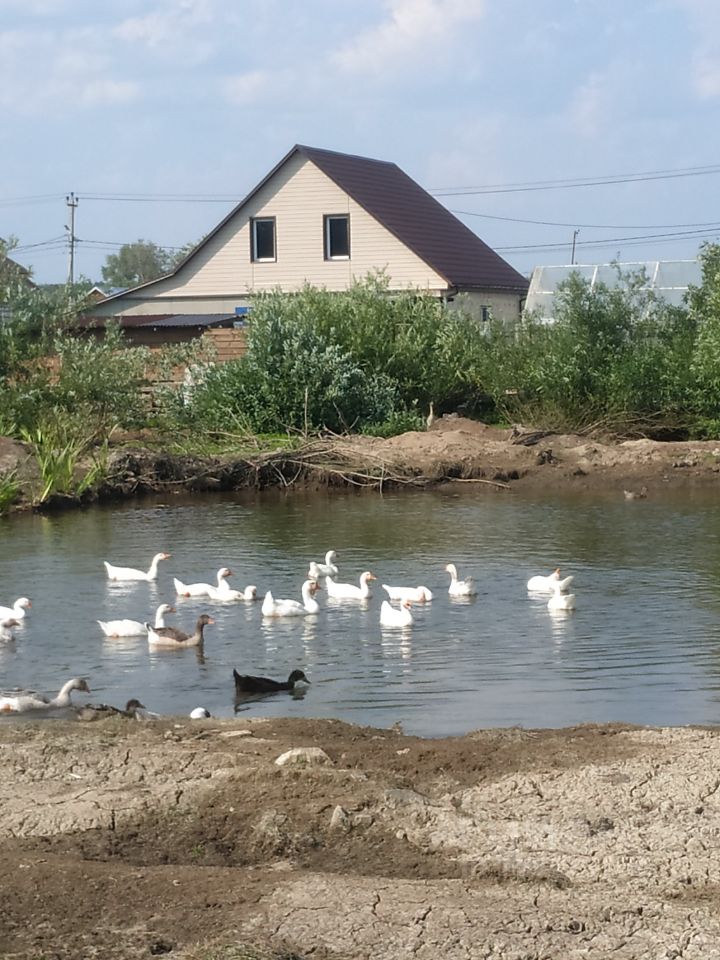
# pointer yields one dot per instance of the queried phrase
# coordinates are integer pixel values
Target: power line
(611, 241)
(567, 183)
(589, 226)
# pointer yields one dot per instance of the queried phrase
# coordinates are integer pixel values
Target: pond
(642, 646)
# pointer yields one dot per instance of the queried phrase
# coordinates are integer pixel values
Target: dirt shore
(122, 840)
(126, 840)
(455, 450)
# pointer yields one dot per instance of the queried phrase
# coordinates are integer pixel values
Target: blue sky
(198, 99)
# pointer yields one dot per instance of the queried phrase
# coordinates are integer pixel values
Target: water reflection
(642, 644)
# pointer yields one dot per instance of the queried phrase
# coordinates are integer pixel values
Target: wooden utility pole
(572, 255)
(72, 202)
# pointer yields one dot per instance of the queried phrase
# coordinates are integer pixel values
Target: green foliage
(136, 263)
(9, 490)
(59, 450)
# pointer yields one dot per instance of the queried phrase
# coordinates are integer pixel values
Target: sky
(161, 115)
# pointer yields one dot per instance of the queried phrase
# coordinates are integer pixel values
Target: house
(668, 279)
(326, 219)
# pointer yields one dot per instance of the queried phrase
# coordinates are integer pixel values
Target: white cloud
(42, 70)
(590, 107)
(704, 17)
(247, 88)
(412, 28)
(170, 29)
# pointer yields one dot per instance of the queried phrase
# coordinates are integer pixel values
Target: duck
(247, 684)
(99, 711)
(172, 637)
(134, 628)
(326, 569)
(348, 591)
(460, 588)
(129, 573)
(391, 617)
(292, 608)
(200, 713)
(560, 600)
(17, 610)
(23, 701)
(6, 626)
(203, 589)
(640, 494)
(540, 584)
(414, 594)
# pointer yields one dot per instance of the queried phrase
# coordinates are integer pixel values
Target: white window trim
(326, 222)
(253, 240)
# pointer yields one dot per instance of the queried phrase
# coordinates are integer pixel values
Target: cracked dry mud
(128, 840)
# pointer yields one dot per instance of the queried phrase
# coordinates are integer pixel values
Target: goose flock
(396, 612)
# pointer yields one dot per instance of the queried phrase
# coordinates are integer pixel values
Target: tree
(136, 263)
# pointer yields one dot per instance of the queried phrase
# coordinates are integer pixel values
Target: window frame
(327, 218)
(254, 221)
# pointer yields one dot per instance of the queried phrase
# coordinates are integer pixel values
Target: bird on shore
(173, 637)
(130, 573)
(248, 684)
(200, 713)
(460, 588)
(101, 711)
(24, 701)
(431, 418)
(17, 610)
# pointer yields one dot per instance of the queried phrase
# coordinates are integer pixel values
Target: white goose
(327, 569)
(560, 600)
(20, 701)
(414, 594)
(134, 628)
(540, 584)
(348, 591)
(223, 591)
(292, 608)
(6, 634)
(17, 611)
(390, 617)
(203, 589)
(460, 588)
(130, 573)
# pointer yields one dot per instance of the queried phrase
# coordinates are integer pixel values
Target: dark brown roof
(419, 221)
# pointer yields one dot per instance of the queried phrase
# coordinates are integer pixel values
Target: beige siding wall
(503, 306)
(298, 196)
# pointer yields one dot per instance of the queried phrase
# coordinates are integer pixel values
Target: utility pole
(572, 255)
(72, 202)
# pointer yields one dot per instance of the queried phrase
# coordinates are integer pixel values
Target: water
(643, 645)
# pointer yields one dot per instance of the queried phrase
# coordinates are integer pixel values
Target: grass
(58, 455)
(9, 490)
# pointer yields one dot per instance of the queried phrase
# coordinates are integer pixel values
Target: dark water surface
(642, 646)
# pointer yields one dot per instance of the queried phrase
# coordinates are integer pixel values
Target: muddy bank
(127, 840)
(455, 450)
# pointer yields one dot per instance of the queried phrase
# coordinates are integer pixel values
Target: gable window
(337, 237)
(262, 239)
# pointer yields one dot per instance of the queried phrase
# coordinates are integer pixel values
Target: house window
(337, 237)
(262, 239)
